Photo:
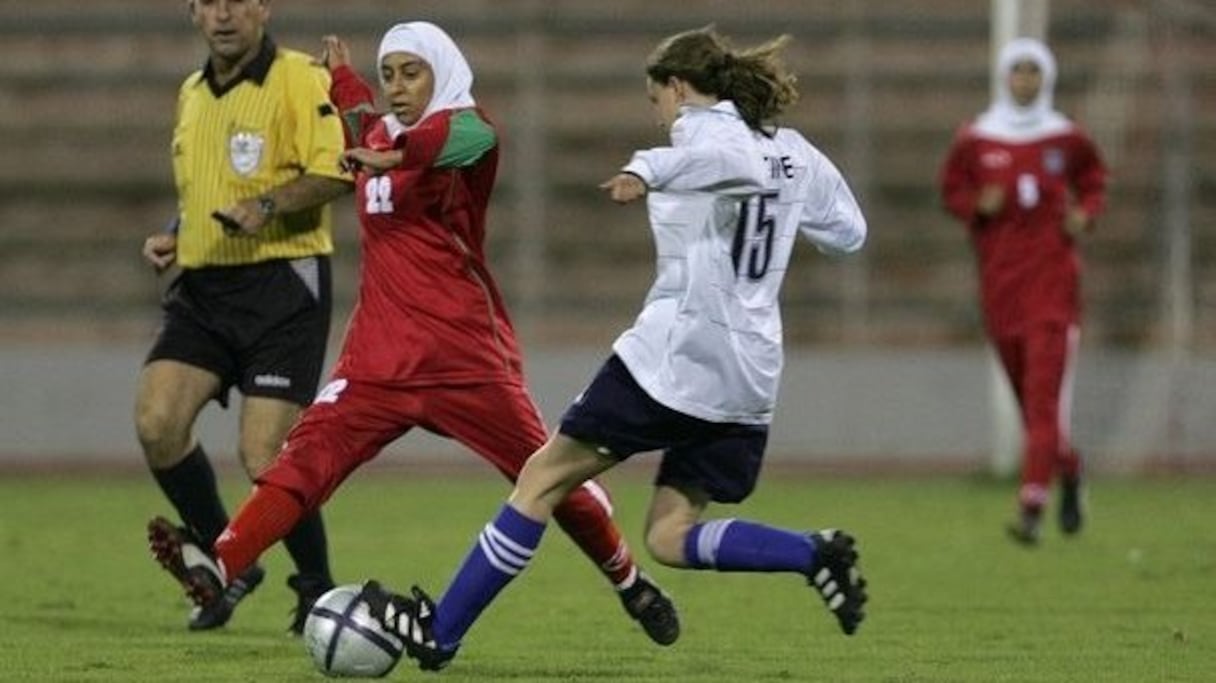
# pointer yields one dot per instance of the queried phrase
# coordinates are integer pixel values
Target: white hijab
(453, 77)
(1008, 120)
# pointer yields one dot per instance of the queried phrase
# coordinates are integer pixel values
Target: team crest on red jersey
(1053, 160)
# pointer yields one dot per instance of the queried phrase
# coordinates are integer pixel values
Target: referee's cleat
(650, 607)
(194, 569)
(219, 613)
(308, 588)
(835, 576)
(412, 619)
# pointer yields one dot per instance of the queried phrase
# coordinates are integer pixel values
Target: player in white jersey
(708, 341)
(696, 375)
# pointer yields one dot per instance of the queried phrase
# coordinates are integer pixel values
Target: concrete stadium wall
(873, 410)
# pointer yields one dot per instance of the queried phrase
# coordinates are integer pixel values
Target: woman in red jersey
(429, 342)
(1027, 182)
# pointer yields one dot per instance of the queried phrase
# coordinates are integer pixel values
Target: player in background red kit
(1027, 182)
(429, 342)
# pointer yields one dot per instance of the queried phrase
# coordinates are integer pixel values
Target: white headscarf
(453, 77)
(1006, 119)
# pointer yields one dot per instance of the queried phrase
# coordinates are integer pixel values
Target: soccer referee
(255, 159)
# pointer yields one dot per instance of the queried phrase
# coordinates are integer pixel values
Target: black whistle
(231, 227)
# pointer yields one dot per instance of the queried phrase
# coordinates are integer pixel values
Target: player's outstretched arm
(353, 97)
(624, 187)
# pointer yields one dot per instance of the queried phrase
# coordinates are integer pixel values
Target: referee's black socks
(190, 486)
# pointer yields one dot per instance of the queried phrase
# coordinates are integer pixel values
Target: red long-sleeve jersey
(1028, 265)
(428, 310)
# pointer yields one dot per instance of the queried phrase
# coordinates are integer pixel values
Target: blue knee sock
(731, 545)
(503, 550)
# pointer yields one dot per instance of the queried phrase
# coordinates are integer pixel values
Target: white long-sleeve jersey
(725, 205)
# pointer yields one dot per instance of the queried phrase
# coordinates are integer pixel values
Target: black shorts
(261, 327)
(615, 414)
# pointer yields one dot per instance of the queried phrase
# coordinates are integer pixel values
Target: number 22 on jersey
(378, 193)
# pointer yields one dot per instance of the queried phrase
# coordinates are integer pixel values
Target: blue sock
(503, 550)
(731, 545)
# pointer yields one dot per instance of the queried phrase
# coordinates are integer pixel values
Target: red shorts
(351, 422)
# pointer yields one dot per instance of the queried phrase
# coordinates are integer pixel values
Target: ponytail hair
(755, 79)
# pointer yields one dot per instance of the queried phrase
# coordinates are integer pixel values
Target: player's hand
(990, 201)
(245, 218)
(334, 52)
(623, 188)
(1078, 222)
(160, 250)
(370, 160)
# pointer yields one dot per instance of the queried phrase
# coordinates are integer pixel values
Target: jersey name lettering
(780, 167)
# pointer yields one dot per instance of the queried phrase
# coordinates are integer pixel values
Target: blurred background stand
(888, 368)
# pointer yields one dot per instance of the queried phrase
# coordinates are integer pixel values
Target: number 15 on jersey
(752, 249)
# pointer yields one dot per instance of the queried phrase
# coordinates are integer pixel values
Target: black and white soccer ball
(345, 640)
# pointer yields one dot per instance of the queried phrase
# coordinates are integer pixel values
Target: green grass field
(1132, 599)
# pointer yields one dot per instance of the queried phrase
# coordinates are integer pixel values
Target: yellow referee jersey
(272, 124)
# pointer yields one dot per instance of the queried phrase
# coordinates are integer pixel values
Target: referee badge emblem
(245, 152)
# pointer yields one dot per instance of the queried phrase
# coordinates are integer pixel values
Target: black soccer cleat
(1072, 505)
(194, 569)
(835, 576)
(308, 588)
(653, 609)
(205, 619)
(412, 620)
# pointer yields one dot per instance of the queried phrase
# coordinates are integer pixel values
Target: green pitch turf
(1132, 599)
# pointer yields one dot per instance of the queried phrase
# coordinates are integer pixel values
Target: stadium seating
(87, 93)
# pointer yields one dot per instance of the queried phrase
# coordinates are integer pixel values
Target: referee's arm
(302, 193)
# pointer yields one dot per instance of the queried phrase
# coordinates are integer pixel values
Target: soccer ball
(345, 640)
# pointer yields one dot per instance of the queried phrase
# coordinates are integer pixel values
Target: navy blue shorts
(614, 413)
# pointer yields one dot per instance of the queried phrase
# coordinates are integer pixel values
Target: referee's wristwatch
(267, 206)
